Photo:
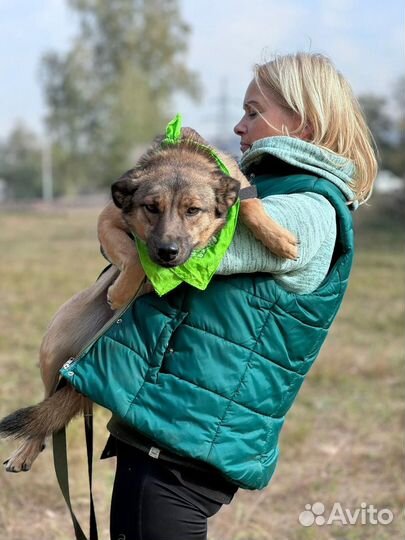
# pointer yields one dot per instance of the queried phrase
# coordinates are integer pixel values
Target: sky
(364, 38)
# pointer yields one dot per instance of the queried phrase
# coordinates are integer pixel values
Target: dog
(175, 199)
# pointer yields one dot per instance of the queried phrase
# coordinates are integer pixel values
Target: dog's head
(175, 200)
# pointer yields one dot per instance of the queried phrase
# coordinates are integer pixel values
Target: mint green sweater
(308, 215)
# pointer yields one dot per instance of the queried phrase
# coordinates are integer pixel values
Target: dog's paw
(109, 301)
(114, 300)
(119, 296)
(287, 247)
(23, 458)
(15, 465)
(11, 465)
(282, 244)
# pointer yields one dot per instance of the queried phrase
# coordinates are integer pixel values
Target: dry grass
(342, 441)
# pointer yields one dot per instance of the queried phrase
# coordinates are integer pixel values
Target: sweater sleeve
(312, 219)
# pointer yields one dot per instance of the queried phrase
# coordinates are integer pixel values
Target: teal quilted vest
(211, 374)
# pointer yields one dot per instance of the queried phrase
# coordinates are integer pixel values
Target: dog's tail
(42, 419)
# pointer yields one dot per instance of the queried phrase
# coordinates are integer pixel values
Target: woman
(219, 369)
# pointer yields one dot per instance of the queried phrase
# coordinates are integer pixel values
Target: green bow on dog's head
(203, 263)
(173, 130)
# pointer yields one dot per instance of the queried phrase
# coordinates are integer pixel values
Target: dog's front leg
(120, 250)
(276, 238)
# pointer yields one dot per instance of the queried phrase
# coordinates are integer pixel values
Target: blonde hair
(310, 86)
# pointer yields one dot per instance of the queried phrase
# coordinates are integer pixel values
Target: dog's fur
(175, 200)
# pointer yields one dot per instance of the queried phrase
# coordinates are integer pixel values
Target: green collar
(202, 265)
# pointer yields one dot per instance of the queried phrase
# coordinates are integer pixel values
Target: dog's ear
(123, 189)
(191, 134)
(226, 194)
(157, 141)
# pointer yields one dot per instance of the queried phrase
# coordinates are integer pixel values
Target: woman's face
(254, 126)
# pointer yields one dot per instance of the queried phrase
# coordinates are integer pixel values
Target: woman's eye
(252, 114)
(192, 211)
(152, 208)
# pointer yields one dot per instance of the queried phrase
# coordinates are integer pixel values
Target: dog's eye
(152, 208)
(192, 211)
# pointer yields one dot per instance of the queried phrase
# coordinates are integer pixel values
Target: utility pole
(225, 120)
(223, 117)
(47, 177)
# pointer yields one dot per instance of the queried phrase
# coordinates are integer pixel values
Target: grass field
(342, 441)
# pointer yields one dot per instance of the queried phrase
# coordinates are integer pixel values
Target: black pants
(150, 502)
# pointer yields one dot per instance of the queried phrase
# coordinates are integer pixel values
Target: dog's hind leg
(76, 322)
(25, 455)
(35, 423)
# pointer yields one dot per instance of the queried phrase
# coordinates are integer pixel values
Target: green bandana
(202, 265)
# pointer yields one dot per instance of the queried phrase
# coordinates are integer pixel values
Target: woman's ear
(307, 133)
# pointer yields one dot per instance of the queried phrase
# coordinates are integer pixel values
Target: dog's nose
(168, 252)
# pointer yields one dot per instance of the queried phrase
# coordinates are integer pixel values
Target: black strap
(61, 470)
(88, 429)
(62, 473)
(248, 193)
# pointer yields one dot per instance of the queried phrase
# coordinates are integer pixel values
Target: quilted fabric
(211, 374)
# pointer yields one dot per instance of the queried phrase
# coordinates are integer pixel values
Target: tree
(378, 119)
(386, 122)
(113, 89)
(20, 163)
(399, 98)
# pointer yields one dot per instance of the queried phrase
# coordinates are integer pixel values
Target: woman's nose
(239, 129)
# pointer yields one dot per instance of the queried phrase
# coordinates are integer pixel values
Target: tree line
(111, 92)
(108, 94)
